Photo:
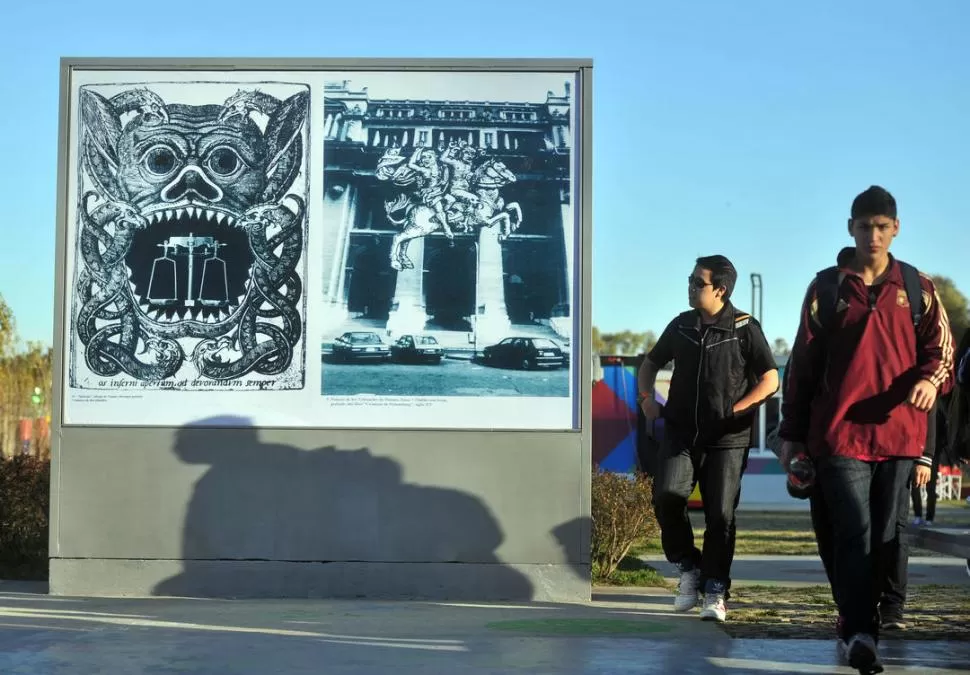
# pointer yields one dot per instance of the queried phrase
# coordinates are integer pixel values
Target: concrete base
(332, 316)
(491, 328)
(406, 320)
(270, 579)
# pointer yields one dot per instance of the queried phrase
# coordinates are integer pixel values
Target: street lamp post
(757, 301)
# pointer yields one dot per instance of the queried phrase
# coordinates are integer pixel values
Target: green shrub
(622, 514)
(24, 511)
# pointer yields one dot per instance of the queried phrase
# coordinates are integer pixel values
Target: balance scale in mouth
(213, 265)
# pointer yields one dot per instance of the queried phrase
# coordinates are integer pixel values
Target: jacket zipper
(697, 391)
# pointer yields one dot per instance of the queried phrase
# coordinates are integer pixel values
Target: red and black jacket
(847, 385)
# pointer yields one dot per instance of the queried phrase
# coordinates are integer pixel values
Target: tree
(956, 305)
(25, 388)
(8, 330)
(625, 343)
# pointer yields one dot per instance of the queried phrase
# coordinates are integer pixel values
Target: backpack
(827, 292)
(958, 417)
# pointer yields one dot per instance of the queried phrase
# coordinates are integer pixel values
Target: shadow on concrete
(573, 538)
(274, 520)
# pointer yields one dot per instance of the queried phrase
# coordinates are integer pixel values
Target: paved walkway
(623, 631)
(807, 570)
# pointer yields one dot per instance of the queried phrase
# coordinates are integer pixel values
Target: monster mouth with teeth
(191, 232)
(190, 263)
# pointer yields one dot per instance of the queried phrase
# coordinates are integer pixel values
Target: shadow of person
(573, 537)
(274, 520)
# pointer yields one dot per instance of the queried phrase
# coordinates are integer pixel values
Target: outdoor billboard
(305, 246)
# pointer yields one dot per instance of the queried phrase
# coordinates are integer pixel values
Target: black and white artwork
(189, 237)
(448, 249)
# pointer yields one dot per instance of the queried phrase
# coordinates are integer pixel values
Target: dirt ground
(932, 613)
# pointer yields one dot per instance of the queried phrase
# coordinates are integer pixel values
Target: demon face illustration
(190, 235)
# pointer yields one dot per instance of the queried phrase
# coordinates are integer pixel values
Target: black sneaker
(861, 651)
(891, 618)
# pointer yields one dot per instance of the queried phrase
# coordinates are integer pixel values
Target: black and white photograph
(189, 238)
(448, 245)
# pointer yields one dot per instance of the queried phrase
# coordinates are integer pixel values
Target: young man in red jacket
(857, 393)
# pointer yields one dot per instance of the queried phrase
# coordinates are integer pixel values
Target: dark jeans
(865, 534)
(718, 471)
(896, 579)
(930, 494)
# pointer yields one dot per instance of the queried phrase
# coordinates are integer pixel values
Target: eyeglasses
(697, 282)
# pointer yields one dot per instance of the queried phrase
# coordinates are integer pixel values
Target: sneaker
(687, 589)
(918, 522)
(862, 655)
(891, 618)
(714, 608)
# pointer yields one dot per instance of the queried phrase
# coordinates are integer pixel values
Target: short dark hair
(876, 201)
(722, 272)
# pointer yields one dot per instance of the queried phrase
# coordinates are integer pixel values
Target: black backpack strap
(914, 290)
(827, 294)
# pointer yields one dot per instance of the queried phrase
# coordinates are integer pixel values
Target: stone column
(335, 302)
(491, 315)
(408, 312)
(563, 325)
(349, 223)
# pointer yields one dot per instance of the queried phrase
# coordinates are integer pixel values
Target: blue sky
(743, 127)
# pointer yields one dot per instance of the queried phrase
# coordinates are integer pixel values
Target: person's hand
(923, 395)
(650, 407)
(922, 477)
(790, 449)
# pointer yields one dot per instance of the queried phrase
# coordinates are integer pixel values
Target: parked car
(524, 352)
(360, 345)
(417, 348)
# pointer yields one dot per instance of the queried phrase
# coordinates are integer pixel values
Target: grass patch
(632, 572)
(932, 613)
(790, 532)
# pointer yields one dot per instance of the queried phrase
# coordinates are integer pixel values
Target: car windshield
(364, 338)
(542, 343)
(426, 340)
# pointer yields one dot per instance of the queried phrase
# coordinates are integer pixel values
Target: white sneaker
(714, 608)
(687, 590)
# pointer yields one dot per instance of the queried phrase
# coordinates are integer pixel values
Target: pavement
(621, 631)
(807, 570)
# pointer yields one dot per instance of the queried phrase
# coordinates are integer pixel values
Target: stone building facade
(474, 282)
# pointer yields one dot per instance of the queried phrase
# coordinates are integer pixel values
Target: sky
(743, 128)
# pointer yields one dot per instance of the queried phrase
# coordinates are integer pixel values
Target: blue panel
(624, 456)
(623, 382)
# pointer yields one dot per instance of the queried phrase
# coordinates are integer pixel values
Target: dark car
(524, 352)
(417, 348)
(360, 345)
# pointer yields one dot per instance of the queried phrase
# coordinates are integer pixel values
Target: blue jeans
(862, 500)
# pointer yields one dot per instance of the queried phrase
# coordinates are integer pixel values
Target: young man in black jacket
(723, 370)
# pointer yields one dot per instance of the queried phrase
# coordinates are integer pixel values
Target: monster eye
(160, 160)
(224, 161)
